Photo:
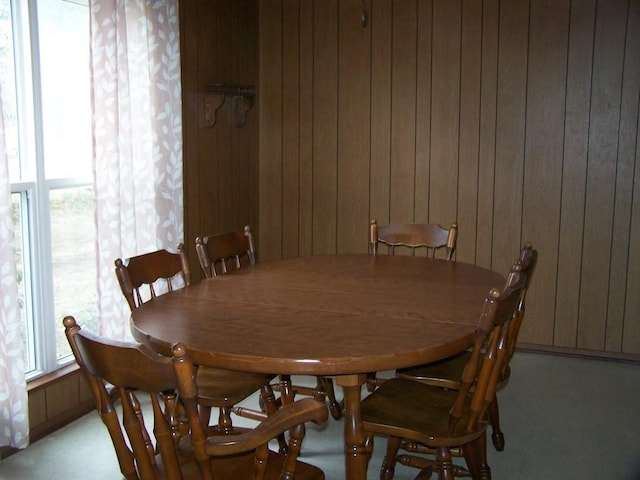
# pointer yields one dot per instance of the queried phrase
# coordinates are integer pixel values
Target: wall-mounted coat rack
(238, 98)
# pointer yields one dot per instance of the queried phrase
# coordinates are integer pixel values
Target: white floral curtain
(137, 128)
(14, 418)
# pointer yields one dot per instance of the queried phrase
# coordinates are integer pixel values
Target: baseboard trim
(579, 352)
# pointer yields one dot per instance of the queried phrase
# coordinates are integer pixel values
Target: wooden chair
(430, 237)
(208, 444)
(446, 373)
(223, 252)
(447, 422)
(130, 370)
(140, 278)
(413, 236)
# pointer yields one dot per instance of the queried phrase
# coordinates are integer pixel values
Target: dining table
(341, 316)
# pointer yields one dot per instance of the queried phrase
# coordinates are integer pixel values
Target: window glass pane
(74, 260)
(8, 90)
(64, 71)
(20, 220)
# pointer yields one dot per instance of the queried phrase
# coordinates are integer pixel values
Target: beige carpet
(563, 418)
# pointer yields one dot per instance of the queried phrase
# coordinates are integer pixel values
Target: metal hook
(365, 15)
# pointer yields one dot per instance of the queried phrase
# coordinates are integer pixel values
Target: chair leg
(497, 437)
(271, 407)
(334, 406)
(445, 464)
(204, 412)
(389, 462)
(475, 454)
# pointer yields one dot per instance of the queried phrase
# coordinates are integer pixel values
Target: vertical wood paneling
(445, 111)
(488, 115)
(290, 130)
(226, 22)
(325, 126)
(546, 84)
(601, 168)
(205, 74)
(574, 173)
(381, 18)
(631, 328)
(306, 126)
(403, 112)
(354, 87)
(251, 128)
(622, 215)
(531, 107)
(271, 99)
(241, 144)
(37, 407)
(423, 111)
(631, 338)
(218, 45)
(510, 131)
(469, 139)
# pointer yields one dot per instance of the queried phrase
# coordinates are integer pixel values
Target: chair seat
(418, 412)
(225, 388)
(240, 467)
(446, 373)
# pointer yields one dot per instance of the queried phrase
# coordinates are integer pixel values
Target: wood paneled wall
(218, 45)
(54, 401)
(518, 119)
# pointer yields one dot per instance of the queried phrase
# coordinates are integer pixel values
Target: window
(44, 79)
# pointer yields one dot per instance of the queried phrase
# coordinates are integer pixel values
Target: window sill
(44, 380)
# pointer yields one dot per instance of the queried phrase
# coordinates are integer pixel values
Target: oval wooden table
(336, 315)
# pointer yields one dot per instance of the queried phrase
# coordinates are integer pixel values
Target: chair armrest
(287, 417)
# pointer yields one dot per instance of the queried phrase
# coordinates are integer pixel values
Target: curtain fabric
(14, 418)
(137, 128)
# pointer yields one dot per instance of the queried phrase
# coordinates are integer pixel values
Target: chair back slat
(488, 354)
(221, 252)
(525, 264)
(131, 369)
(146, 276)
(414, 236)
(208, 445)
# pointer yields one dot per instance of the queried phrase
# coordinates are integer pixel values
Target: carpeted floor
(563, 418)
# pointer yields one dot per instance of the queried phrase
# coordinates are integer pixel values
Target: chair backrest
(207, 444)
(488, 354)
(131, 369)
(525, 264)
(430, 236)
(153, 272)
(221, 252)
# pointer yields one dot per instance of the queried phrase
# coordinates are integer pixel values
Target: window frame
(34, 190)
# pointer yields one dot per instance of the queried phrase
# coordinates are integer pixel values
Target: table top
(322, 315)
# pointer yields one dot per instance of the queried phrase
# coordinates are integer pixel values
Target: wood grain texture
(604, 118)
(542, 184)
(467, 187)
(423, 111)
(354, 99)
(380, 121)
(627, 155)
(445, 112)
(522, 115)
(403, 113)
(325, 126)
(271, 125)
(372, 312)
(290, 128)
